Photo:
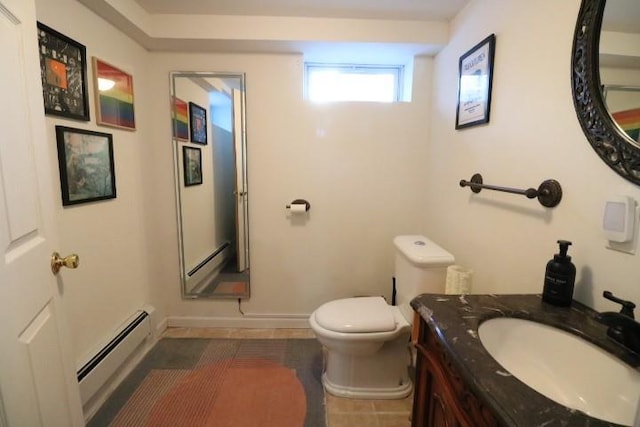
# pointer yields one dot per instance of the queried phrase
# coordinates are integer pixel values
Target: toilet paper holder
(306, 204)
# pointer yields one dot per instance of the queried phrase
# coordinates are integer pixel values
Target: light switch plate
(619, 219)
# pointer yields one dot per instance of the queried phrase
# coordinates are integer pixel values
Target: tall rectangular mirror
(209, 141)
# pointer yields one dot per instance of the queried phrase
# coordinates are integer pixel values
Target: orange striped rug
(221, 382)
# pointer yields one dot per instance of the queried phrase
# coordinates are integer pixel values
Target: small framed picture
(114, 96)
(198, 123)
(85, 159)
(63, 69)
(474, 84)
(192, 163)
(180, 123)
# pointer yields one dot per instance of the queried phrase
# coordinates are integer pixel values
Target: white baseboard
(253, 321)
(159, 329)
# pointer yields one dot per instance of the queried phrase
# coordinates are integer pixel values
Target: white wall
(370, 171)
(109, 236)
(533, 135)
(359, 165)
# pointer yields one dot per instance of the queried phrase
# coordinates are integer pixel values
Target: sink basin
(564, 367)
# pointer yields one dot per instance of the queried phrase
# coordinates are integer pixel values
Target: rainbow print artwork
(629, 121)
(115, 96)
(180, 121)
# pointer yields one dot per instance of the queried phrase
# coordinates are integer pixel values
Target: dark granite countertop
(455, 319)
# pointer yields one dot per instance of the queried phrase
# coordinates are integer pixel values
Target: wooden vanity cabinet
(441, 398)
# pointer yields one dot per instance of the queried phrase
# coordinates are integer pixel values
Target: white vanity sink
(564, 368)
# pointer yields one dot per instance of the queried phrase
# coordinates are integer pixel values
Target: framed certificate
(474, 84)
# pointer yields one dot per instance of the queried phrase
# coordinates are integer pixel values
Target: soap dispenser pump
(559, 278)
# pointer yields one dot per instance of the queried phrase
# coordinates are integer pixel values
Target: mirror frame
(605, 136)
(178, 183)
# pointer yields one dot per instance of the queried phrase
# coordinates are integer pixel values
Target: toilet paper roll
(297, 208)
(458, 280)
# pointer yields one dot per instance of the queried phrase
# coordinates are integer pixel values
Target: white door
(37, 380)
(242, 236)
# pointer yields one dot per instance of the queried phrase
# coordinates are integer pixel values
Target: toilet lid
(363, 314)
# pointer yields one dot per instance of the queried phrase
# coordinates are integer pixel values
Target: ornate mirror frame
(604, 135)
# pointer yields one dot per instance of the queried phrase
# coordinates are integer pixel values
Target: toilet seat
(356, 315)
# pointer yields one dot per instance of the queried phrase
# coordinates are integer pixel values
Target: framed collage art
(63, 69)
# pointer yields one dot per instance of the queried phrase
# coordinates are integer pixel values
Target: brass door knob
(70, 261)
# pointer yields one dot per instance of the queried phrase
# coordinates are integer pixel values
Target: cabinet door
(441, 398)
(440, 413)
(421, 393)
(435, 401)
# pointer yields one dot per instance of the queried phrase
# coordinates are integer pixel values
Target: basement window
(348, 82)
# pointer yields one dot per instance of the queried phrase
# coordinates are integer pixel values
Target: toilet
(366, 340)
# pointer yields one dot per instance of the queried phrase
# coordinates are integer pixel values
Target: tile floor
(341, 412)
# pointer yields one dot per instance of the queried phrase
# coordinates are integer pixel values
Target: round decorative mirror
(611, 123)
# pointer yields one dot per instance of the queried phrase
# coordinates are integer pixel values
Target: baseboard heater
(101, 367)
(204, 262)
(197, 277)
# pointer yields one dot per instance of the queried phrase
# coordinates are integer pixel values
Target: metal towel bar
(549, 193)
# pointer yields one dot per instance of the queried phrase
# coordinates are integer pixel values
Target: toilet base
(383, 374)
(399, 392)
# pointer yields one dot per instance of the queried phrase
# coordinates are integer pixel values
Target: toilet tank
(420, 267)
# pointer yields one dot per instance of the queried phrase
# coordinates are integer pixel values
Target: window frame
(397, 70)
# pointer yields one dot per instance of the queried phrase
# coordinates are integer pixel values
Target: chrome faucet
(622, 326)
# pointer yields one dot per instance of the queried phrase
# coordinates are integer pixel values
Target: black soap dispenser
(559, 278)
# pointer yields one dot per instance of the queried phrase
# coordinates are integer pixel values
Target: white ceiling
(422, 10)
(338, 30)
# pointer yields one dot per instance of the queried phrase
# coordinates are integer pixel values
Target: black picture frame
(197, 123)
(63, 69)
(475, 79)
(85, 160)
(192, 165)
